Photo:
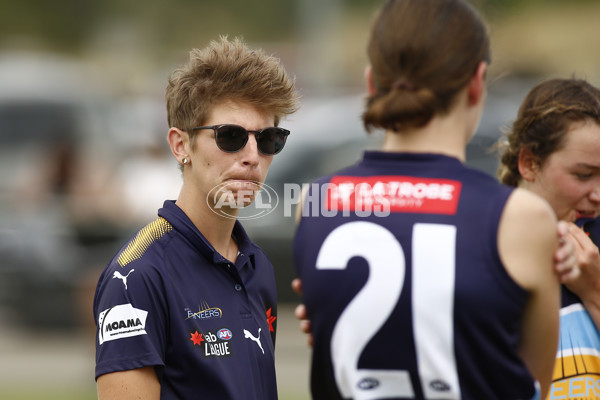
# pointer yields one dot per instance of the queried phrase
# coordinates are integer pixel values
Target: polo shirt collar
(180, 221)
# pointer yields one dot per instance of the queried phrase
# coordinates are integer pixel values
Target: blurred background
(84, 162)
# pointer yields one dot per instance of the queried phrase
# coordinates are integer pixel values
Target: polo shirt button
(238, 287)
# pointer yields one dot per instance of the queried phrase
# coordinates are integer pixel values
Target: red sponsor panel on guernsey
(395, 193)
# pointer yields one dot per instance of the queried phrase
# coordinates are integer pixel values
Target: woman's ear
(528, 165)
(179, 143)
(369, 80)
(477, 84)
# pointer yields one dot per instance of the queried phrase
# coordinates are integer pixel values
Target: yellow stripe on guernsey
(577, 367)
(144, 238)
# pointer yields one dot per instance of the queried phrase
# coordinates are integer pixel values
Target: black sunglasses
(232, 138)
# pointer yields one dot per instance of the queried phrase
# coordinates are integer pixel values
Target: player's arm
(134, 384)
(587, 284)
(300, 311)
(527, 243)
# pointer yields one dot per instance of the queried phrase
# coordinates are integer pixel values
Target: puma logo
(117, 274)
(250, 336)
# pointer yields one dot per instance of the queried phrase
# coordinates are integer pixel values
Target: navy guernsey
(404, 286)
(169, 300)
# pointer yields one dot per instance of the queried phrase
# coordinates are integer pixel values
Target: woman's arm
(134, 384)
(527, 243)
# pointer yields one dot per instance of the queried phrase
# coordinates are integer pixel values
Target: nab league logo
(211, 344)
(258, 200)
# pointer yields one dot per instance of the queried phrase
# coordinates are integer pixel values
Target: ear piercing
(185, 160)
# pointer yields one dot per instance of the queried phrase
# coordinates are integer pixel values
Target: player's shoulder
(148, 244)
(140, 259)
(525, 206)
(527, 237)
(528, 216)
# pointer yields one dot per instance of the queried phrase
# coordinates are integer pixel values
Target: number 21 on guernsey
(432, 317)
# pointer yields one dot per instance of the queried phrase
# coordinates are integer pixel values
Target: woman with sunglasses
(187, 308)
(553, 150)
(423, 278)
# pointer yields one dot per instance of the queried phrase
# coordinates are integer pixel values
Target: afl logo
(368, 384)
(224, 334)
(251, 198)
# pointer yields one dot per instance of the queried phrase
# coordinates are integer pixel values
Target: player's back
(404, 285)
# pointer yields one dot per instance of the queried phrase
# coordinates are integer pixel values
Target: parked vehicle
(51, 131)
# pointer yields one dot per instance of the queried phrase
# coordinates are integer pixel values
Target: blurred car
(51, 129)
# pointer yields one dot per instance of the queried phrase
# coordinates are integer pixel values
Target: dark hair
(227, 70)
(423, 52)
(543, 121)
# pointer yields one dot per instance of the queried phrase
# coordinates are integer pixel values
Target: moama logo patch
(120, 322)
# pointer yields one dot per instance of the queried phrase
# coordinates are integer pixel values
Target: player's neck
(445, 134)
(217, 229)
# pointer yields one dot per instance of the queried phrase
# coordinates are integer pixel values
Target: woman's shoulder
(527, 237)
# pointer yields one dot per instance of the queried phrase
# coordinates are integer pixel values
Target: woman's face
(569, 179)
(241, 173)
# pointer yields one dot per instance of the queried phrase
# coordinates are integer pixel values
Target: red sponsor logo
(394, 193)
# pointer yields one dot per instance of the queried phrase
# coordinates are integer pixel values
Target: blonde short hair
(227, 70)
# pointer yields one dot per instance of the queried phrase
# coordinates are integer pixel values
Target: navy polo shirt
(207, 325)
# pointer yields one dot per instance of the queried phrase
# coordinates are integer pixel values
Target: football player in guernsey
(553, 149)
(422, 278)
(187, 308)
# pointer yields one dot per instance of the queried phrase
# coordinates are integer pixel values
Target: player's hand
(300, 312)
(587, 284)
(566, 265)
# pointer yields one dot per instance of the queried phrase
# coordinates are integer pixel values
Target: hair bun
(403, 84)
